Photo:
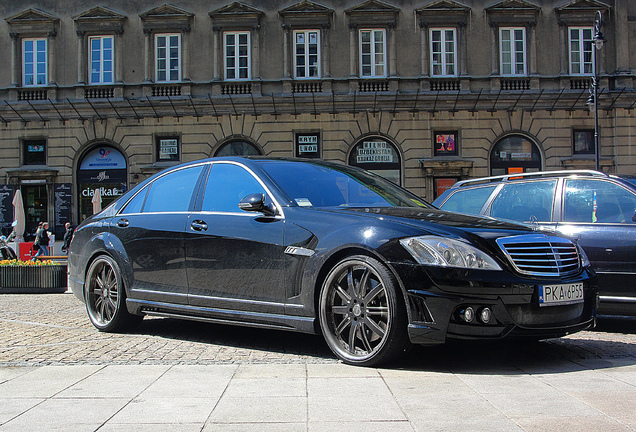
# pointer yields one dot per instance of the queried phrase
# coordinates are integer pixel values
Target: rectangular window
(446, 144)
(34, 152)
(167, 149)
(101, 59)
(373, 53)
(443, 52)
(237, 56)
(168, 57)
(34, 62)
(512, 48)
(307, 54)
(583, 141)
(581, 51)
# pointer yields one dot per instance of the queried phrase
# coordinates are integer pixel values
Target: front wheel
(362, 314)
(105, 297)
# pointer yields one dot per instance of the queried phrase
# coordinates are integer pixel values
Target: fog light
(485, 315)
(468, 314)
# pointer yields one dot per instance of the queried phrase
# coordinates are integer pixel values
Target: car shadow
(599, 349)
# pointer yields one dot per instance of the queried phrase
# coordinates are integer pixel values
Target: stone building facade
(423, 92)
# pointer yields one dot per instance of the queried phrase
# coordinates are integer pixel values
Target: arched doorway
(103, 168)
(238, 147)
(514, 154)
(379, 156)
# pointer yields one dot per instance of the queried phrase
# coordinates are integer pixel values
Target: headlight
(443, 252)
(585, 261)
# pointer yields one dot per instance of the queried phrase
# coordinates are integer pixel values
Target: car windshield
(316, 185)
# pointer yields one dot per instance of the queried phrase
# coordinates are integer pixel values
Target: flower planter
(33, 279)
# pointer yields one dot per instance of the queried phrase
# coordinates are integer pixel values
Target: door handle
(199, 225)
(123, 223)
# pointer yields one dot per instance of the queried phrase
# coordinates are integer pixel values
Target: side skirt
(222, 316)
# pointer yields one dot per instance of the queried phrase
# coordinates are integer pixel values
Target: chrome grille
(541, 255)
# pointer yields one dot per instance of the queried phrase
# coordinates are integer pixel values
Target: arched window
(514, 154)
(238, 148)
(379, 156)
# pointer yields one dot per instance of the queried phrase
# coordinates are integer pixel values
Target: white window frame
(373, 64)
(35, 63)
(236, 67)
(440, 57)
(168, 68)
(580, 51)
(306, 56)
(101, 62)
(513, 52)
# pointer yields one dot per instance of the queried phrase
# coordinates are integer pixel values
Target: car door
(234, 259)
(598, 212)
(150, 229)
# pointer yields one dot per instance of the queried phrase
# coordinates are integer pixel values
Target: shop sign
(168, 149)
(103, 158)
(63, 204)
(524, 156)
(104, 192)
(375, 152)
(307, 145)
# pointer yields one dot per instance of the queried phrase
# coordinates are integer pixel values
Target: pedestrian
(42, 240)
(68, 236)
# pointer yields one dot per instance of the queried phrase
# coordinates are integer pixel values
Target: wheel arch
(338, 256)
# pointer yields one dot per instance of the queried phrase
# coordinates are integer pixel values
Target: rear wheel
(105, 297)
(362, 314)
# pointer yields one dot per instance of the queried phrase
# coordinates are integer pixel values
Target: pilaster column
(325, 52)
(185, 49)
(353, 58)
(82, 58)
(148, 55)
(256, 44)
(286, 51)
(392, 50)
(563, 51)
(15, 60)
(119, 57)
(532, 29)
(424, 48)
(463, 49)
(51, 57)
(494, 49)
(216, 31)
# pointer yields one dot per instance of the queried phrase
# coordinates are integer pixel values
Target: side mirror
(256, 203)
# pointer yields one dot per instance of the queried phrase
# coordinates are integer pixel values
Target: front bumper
(437, 300)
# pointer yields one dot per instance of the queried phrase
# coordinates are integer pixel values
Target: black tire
(105, 297)
(362, 314)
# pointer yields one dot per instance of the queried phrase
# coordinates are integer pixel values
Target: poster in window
(446, 144)
(308, 145)
(443, 184)
(169, 149)
(583, 141)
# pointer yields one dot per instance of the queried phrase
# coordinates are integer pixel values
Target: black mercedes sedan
(319, 247)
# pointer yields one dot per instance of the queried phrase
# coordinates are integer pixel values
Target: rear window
(525, 201)
(468, 201)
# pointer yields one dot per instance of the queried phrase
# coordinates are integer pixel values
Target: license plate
(564, 294)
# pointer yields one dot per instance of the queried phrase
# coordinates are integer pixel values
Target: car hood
(464, 222)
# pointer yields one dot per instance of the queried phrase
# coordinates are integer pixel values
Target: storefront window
(446, 144)
(514, 154)
(168, 149)
(377, 155)
(102, 168)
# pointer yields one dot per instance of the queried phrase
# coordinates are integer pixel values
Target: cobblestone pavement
(53, 329)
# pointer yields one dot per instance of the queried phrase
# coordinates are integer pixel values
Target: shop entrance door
(35, 208)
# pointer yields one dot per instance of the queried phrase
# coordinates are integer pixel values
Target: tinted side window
(521, 201)
(599, 201)
(173, 192)
(134, 206)
(227, 185)
(468, 201)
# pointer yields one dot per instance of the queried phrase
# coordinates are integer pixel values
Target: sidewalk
(592, 396)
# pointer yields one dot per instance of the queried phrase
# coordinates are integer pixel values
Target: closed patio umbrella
(97, 201)
(18, 216)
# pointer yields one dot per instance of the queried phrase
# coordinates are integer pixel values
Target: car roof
(532, 175)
